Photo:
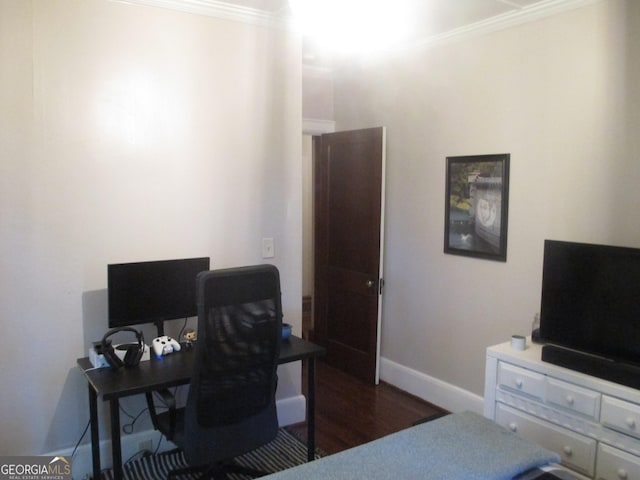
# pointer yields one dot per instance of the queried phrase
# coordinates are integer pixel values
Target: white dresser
(593, 424)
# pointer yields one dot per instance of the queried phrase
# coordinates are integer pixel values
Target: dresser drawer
(571, 397)
(621, 416)
(521, 380)
(576, 451)
(614, 464)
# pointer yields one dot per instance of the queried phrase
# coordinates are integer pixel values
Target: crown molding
(229, 11)
(506, 20)
(218, 9)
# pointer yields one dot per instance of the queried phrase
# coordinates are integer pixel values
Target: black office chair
(230, 408)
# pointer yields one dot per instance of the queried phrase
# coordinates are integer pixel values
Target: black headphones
(134, 351)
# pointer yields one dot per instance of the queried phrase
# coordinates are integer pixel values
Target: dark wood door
(348, 234)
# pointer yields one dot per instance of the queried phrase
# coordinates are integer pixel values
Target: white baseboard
(433, 390)
(290, 411)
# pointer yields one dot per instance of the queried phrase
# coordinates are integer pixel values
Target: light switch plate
(268, 248)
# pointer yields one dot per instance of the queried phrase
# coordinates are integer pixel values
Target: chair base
(217, 471)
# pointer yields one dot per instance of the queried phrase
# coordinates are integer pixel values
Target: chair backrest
(231, 403)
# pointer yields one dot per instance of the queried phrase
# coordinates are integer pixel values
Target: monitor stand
(159, 327)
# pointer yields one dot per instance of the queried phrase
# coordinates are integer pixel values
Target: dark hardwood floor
(350, 412)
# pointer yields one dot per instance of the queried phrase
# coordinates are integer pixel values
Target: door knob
(370, 283)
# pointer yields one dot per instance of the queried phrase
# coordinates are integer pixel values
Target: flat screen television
(152, 292)
(590, 309)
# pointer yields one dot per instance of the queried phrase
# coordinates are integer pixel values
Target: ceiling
(426, 22)
(432, 19)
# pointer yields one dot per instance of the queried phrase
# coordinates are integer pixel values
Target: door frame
(312, 127)
(381, 281)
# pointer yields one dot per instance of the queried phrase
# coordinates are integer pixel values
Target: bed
(461, 446)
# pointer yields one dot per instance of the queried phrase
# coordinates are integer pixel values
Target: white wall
(130, 133)
(562, 96)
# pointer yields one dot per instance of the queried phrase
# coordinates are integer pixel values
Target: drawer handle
(519, 383)
(631, 423)
(513, 426)
(570, 400)
(622, 473)
(567, 450)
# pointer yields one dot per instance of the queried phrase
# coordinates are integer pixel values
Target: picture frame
(477, 206)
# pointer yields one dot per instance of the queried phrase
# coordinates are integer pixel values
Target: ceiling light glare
(352, 26)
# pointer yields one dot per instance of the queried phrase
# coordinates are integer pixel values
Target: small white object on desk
(518, 342)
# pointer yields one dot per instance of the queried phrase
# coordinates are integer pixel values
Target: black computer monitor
(152, 292)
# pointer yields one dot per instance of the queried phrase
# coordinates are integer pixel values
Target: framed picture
(476, 206)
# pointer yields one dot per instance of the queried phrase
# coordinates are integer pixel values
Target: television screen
(591, 299)
(151, 292)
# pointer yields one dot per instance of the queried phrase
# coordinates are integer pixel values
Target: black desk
(171, 371)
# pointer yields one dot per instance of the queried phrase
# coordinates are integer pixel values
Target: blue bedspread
(463, 446)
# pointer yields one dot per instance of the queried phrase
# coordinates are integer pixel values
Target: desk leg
(95, 437)
(115, 439)
(311, 409)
